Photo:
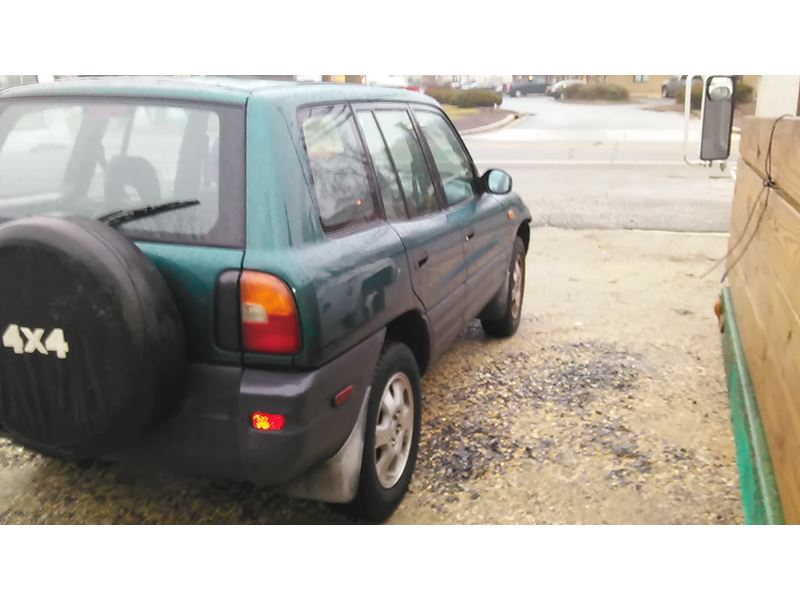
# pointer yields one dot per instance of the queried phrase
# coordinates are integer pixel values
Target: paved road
(606, 166)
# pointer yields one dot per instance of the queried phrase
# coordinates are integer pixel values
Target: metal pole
(687, 115)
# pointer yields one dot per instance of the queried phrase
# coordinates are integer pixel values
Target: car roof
(219, 89)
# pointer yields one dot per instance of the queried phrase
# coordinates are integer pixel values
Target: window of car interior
(409, 160)
(388, 182)
(452, 162)
(339, 166)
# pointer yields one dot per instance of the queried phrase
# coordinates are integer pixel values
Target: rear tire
(664, 92)
(391, 439)
(507, 325)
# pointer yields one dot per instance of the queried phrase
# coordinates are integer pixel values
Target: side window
(454, 168)
(410, 162)
(387, 180)
(338, 166)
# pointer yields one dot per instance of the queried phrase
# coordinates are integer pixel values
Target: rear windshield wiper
(118, 217)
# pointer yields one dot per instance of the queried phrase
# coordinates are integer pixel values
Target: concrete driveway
(554, 115)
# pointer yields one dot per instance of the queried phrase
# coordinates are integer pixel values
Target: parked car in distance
(476, 85)
(537, 85)
(242, 279)
(556, 89)
(670, 87)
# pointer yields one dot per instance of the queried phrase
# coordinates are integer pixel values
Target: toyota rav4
(242, 279)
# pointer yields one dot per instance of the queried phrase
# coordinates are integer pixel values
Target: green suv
(242, 279)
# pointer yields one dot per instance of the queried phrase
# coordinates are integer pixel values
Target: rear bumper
(210, 434)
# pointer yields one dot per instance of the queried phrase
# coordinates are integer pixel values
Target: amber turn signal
(269, 315)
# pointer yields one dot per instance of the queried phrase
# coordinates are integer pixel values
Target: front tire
(391, 439)
(507, 325)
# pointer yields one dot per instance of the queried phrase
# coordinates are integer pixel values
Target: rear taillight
(269, 315)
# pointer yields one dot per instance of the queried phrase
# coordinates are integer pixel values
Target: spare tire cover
(92, 352)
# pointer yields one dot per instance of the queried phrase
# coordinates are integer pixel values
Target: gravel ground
(608, 406)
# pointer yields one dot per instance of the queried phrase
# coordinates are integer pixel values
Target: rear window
(91, 158)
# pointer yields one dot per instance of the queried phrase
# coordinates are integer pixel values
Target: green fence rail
(760, 499)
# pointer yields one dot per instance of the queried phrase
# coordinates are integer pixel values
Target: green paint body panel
(760, 500)
(191, 272)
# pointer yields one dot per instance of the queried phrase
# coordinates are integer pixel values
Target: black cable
(733, 246)
(768, 185)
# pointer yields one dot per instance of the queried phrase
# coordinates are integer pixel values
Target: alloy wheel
(394, 429)
(516, 286)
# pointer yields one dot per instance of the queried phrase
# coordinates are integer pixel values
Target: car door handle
(422, 259)
(470, 234)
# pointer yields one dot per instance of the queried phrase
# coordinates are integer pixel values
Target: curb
(496, 125)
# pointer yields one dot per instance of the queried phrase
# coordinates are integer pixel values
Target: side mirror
(496, 181)
(717, 117)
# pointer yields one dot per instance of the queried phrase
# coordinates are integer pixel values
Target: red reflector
(342, 396)
(267, 422)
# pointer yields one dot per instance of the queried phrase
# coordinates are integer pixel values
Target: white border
(410, 37)
(398, 562)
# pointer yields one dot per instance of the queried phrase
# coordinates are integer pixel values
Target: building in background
(345, 78)
(8, 81)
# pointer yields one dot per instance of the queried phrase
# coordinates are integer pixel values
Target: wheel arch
(411, 329)
(524, 232)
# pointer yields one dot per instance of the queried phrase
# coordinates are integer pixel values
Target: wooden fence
(765, 288)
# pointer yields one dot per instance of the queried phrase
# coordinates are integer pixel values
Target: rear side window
(93, 157)
(387, 179)
(338, 166)
(458, 180)
(410, 162)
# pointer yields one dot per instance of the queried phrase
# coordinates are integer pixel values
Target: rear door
(487, 252)
(433, 237)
